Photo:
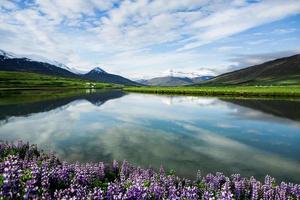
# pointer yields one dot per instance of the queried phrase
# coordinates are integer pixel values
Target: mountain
(98, 74)
(169, 81)
(142, 81)
(41, 60)
(173, 81)
(201, 78)
(282, 71)
(12, 62)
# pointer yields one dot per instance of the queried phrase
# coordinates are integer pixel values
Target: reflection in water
(96, 98)
(280, 108)
(182, 133)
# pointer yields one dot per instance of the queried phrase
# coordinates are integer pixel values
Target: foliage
(36, 175)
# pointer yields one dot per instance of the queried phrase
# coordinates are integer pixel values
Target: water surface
(250, 137)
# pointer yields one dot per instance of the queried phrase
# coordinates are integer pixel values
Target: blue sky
(148, 38)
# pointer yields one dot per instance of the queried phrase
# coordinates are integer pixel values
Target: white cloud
(256, 42)
(235, 20)
(246, 60)
(284, 31)
(227, 48)
(132, 37)
(7, 5)
(72, 9)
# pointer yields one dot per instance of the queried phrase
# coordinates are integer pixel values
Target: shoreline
(241, 91)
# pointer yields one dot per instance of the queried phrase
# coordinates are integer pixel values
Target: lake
(185, 133)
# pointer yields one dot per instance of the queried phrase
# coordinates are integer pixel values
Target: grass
(25, 80)
(243, 91)
(292, 80)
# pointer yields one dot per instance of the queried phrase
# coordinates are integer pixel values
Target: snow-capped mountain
(98, 74)
(37, 64)
(39, 59)
(7, 55)
(174, 81)
(98, 70)
(13, 62)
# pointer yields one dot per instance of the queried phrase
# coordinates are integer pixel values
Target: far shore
(235, 91)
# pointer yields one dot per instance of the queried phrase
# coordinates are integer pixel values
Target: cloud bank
(143, 37)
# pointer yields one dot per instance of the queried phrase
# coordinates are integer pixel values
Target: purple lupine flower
(31, 187)
(96, 194)
(254, 194)
(124, 168)
(161, 171)
(101, 170)
(198, 177)
(115, 166)
(157, 190)
(39, 176)
(269, 180)
(225, 192)
(238, 189)
(190, 192)
(11, 174)
(114, 191)
(208, 195)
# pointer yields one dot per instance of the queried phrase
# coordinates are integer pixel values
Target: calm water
(250, 137)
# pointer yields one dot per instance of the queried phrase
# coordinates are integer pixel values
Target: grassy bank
(24, 80)
(243, 91)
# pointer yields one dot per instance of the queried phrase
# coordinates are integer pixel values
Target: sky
(149, 38)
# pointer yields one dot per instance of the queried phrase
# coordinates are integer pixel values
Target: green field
(243, 91)
(24, 80)
(292, 80)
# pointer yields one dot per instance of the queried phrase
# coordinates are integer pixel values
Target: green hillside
(283, 71)
(25, 80)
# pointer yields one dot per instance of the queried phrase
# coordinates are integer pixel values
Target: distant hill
(11, 62)
(173, 81)
(201, 79)
(98, 74)
(282, 71)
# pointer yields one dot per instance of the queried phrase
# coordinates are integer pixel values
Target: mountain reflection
(280, 108)
(97, 98)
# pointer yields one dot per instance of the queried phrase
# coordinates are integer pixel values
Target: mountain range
(282, 71)
(174, 81)
(11, 62)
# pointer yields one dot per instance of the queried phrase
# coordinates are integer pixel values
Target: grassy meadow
(25, 80)
(243, 91)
